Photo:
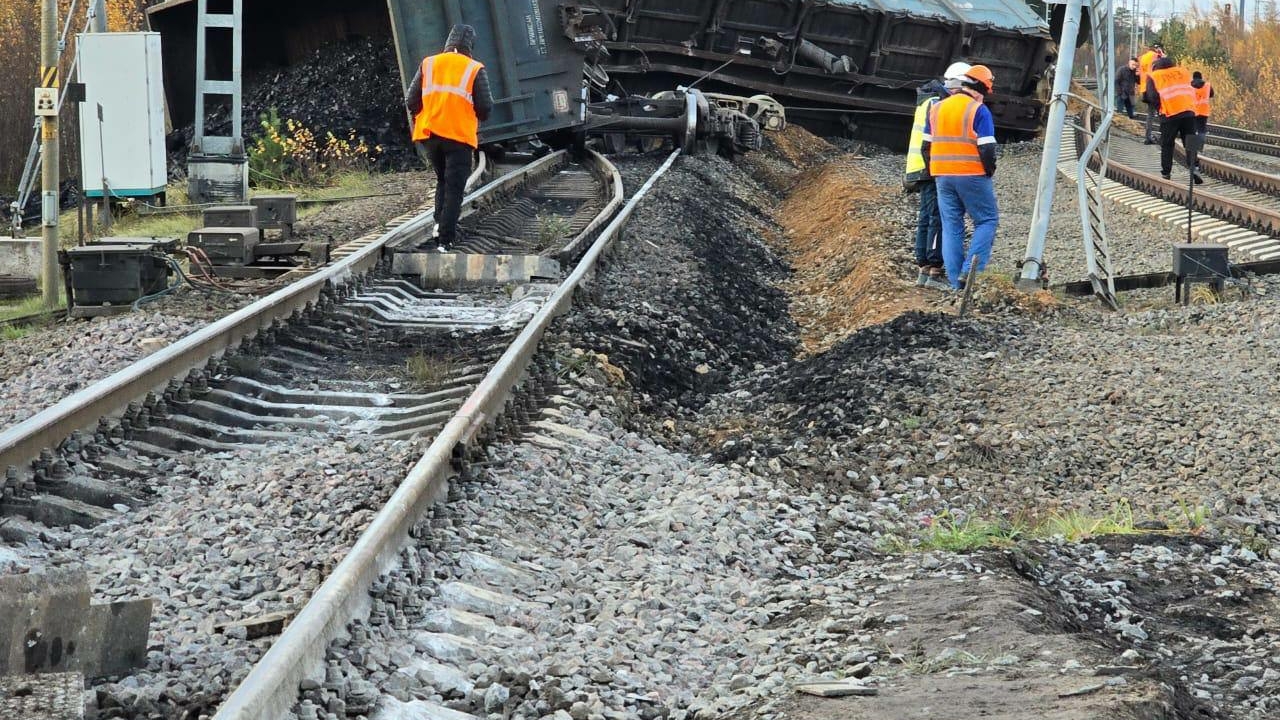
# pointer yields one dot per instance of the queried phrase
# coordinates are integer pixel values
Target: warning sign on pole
(46, 102)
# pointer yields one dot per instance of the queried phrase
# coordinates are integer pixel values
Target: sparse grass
(129, 222)
(1193, 517)
(944, 532)
(10, 309)
(9, 332)
(552, 229)
(1077, 526)
(911, 422)
(428, 371)
(1202, 294)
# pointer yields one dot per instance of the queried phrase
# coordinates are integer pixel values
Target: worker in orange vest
(1145, 61)
(1204, 103)
(1170, 88)
(448, 98)
(960, 148)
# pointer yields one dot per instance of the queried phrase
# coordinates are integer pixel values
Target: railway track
(43, 317)
(1246, 203)
(1234, 138)
(353, 355)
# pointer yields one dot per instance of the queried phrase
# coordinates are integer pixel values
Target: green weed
(428, 370)
(9, 332)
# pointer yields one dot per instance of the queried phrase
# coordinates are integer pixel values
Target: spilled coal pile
(345, 87)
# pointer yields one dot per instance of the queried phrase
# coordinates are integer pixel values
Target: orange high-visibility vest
(447, 107)
(1203, 103)
(1144, 69)
(1176, 94)
(953, 144)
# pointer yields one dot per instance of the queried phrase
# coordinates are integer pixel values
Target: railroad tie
(1203, 227)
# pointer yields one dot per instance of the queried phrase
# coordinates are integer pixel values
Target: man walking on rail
(1170, 89)
(448, 98)
(960, 149)
(928, 220)
(1145, 62)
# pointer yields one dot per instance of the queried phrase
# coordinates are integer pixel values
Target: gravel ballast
(711, 520)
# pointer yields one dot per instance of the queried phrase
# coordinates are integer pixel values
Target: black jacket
(481, 96)
(1126, 81)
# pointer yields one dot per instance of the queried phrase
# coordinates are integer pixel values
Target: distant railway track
(1238, 196)
(1236, 206)
(297, 361)
(43, 317)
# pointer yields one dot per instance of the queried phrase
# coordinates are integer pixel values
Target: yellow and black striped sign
(49, 76)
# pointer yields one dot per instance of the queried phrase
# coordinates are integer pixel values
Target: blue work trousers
(929, 227)
(975, 195)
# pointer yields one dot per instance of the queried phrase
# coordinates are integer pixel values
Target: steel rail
(1257, 180)
(1252, 217)
(22, 443)
(271, 687)
(1235, 138)
(44, 317)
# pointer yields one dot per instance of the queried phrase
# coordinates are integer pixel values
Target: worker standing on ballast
(960, 149)
(1170, 88)
(1145, 62)
(928, 246)
(448, 98)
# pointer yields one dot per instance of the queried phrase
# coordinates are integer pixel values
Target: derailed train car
(855, 62)
(850, 65)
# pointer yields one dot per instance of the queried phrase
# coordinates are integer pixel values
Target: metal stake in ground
(49, 151)
(1192, 146)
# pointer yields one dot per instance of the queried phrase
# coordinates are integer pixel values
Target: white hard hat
(956, 71)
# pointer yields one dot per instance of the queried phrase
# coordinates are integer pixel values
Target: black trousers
(1182, 125)
(452, 162)
(1125, 103)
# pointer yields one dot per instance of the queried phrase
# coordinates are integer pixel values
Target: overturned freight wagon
(852, 62)
(850, 65)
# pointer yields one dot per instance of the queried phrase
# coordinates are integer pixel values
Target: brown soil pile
(850, 268)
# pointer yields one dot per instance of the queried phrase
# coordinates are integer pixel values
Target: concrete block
(47, 624)
(446, 270)
(20, 257)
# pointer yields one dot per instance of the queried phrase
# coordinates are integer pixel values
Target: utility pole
(98, 16)
(49, 151)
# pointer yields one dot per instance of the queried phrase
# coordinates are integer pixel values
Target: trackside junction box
(122, 118)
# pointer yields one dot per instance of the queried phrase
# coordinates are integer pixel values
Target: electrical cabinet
(122, 117)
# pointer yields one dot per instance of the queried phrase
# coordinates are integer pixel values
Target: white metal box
(121, 73)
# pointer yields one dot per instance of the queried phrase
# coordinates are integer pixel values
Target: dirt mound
(848, 252)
